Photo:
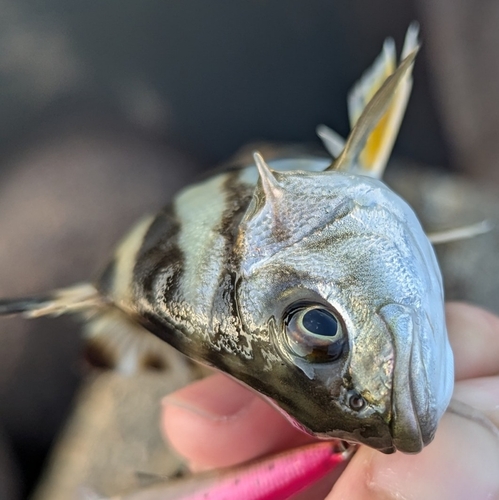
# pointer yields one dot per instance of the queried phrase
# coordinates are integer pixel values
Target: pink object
(273, 478)
(277, 477)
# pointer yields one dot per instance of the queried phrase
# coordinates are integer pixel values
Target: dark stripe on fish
(238, 197)
(160, 254)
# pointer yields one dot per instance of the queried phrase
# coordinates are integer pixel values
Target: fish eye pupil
(356, 402)
(314, 333)
(320, 322)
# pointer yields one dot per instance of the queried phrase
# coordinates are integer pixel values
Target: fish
(304, 277)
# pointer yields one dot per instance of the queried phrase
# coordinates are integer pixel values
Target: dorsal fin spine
(270, 185)
(372, 113)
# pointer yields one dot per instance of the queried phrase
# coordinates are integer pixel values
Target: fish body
(218, 273)
(304, 278)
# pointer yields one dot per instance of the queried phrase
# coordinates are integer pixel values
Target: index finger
(474, 337)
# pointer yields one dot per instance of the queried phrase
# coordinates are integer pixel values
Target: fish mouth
(405, 429)
(405, 426)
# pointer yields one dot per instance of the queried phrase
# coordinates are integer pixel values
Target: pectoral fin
(460, 233)
(75, 299)
(115, 339)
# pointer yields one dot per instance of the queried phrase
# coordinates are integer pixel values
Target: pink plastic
(275, 478)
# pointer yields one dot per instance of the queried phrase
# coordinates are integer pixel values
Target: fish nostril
(356, 401)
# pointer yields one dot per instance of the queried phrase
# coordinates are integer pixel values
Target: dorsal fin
(270, 185)
(376, 107)
(370, 82)
(332, 141)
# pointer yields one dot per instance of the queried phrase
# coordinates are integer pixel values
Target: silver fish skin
(218, 272)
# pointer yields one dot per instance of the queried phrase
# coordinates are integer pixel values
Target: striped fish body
(219, 271)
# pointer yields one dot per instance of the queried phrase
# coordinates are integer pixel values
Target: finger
(474, 336)
(216, 422)
(461, 463)
(482, 394)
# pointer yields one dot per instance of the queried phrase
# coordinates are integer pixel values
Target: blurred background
(108, 107)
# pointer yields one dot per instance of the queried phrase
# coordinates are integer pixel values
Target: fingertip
(481, 394)
(216, 422)
(196, 417)
(474, 336)
(216, 397)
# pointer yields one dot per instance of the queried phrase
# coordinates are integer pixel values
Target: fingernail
(221, 405)
(227, 412)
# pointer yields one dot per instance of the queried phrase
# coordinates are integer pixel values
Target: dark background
(208, 76)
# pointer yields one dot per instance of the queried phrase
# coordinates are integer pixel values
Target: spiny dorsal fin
(376, 107)
(270, 185)
(332, 141)
(370, 82)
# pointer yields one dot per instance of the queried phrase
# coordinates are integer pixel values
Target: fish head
(340, 292)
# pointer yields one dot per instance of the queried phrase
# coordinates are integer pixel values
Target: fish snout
(415, 408)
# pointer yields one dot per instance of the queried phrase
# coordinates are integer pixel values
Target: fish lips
(414, 418)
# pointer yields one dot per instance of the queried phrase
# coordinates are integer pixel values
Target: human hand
(216, 422)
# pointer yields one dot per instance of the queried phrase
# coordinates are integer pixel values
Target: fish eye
(314, 332)
(356, 401)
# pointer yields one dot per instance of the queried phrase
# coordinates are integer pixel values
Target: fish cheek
(309, 392)
(312, 403)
